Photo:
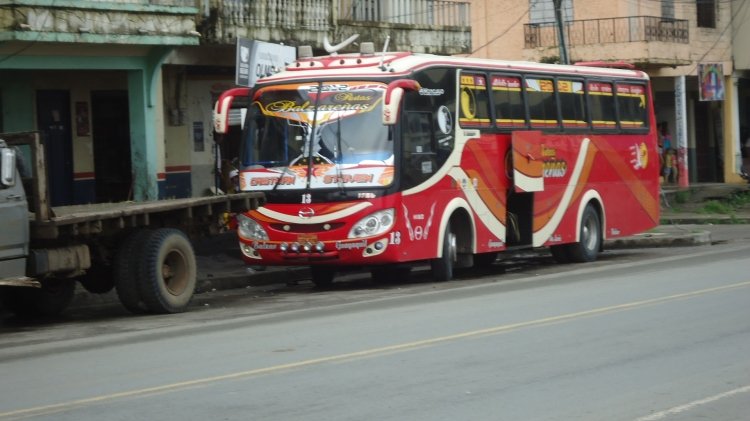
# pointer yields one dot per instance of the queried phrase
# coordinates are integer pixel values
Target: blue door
(53, 119)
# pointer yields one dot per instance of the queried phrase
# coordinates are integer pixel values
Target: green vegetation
(728, 205)
(682, 196)
(716, 206)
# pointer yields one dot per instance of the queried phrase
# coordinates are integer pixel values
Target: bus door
(528, 178)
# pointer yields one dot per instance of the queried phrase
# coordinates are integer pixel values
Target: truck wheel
(587, 249)
(167, 271)
(124, 271)
(322, 276)
(50, 300)
(442, 268)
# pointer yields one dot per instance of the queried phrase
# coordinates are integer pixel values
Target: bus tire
(124, 271)
(442, 267)
(50, 300)
(587, 249)
(322, 276)
(167, 272)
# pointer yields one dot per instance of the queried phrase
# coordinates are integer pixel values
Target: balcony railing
(302, 14)
(611, 30)
(410, 12)
(316, 14)
(435, 26)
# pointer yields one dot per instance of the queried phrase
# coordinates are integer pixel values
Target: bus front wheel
(587, 248)
(442, 267)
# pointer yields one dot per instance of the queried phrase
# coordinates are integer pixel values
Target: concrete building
(123, 90)
(671, 40)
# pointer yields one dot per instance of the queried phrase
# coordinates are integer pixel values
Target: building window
(706, 13)
(543, 11)
(667, 9)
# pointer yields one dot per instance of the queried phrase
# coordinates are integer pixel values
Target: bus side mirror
(7, 167)
(224, 105)
(392, 100)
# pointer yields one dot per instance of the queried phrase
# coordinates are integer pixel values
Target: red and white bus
(374, 160)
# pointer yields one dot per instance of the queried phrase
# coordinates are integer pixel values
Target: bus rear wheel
(442, 267)
(587, 248)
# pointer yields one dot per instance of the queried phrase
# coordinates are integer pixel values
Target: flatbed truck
(143, 250)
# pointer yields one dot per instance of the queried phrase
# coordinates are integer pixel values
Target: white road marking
(688, 406)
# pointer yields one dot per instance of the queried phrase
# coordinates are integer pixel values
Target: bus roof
(400, 64)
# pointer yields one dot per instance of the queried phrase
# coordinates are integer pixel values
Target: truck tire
(442, 267)
(167, 271)
(124, 271)
(50, 300)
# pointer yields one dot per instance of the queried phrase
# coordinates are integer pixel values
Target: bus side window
(542, 103)
(474, 102)
(631, 102)
(601, 105)
(508, 100)
(572, 104)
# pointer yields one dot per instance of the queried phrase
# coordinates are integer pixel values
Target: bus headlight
(247, 228)
(373, 224)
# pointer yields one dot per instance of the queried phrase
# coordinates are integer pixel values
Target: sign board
(257, 58)
(711, 81)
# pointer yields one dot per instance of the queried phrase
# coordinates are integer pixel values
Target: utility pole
(561, 31)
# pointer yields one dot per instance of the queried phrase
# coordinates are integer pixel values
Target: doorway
(53, 120)
(110, 122)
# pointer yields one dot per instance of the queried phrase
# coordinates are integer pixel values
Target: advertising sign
(257, 58)
(711, 80)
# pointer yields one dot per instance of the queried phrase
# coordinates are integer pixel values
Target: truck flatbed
(97, 217)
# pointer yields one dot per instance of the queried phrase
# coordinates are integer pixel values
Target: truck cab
(14, 219)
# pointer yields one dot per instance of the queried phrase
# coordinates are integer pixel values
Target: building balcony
(641, 40)
(133, 22)
(423, 26)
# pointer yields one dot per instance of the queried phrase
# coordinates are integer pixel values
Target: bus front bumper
(345, 252)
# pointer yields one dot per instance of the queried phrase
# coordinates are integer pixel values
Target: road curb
(661, 239)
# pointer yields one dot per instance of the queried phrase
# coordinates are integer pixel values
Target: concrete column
(143, 151)
(680, 138)
(732, 151)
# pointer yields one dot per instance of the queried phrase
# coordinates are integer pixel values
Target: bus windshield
(316, 136)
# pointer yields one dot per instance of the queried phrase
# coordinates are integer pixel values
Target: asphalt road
(640, 335)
